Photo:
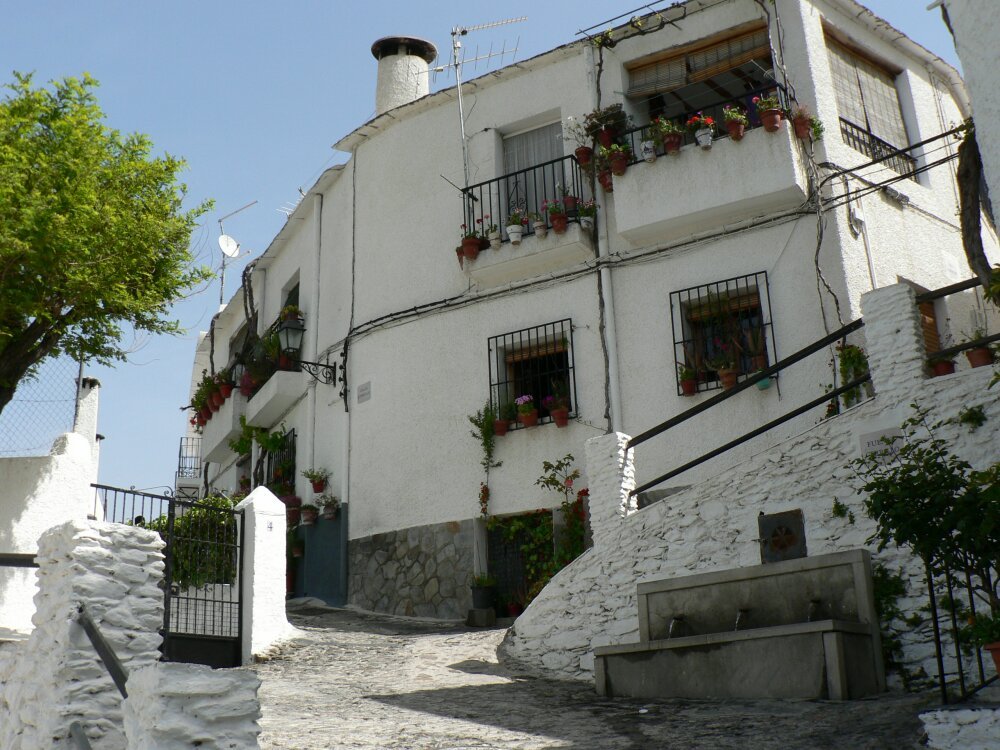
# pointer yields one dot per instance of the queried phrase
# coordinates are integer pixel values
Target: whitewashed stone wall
(713, 525)
(963, 728)
(188, 705)
(56, 677)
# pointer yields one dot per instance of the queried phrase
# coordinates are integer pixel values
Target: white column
(895, 342)
(611, 475)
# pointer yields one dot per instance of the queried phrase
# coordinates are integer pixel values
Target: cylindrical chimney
(402, 70)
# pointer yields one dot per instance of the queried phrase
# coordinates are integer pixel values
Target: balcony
(274, 398)
(492, 202)
(188, 474)
(221, 428)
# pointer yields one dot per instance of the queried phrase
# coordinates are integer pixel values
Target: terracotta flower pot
(735, 129)
(802, 127)
(672, 143)
(689, 387)
(559, 223)
(728, 379)
(604, 178)
(528, 420)
(212, 405)
(217, 398)
(981, 356)
(619, 163)
(500, 427)
(514, 609)
(560, 416)
(319, 485)
(584, 155)
(470, 247)
(771, 119)
(293, 515)
(226, 389)
(297, 550)
(942, 367)
(205, 413)
(569, 203)
(309, 516)
(994, 649)
(606, 136)
(330, 514)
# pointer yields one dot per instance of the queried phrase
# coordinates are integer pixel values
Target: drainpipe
(860, 219)
(610, 328)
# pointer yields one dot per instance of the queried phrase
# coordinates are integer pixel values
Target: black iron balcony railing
(874, 147)
(189, 458)
(744, 101)
(493, 201)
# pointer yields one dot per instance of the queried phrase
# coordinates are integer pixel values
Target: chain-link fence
(43, 408)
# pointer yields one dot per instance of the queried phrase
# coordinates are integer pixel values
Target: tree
(93, 239)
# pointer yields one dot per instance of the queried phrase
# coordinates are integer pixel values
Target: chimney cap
(389, 45)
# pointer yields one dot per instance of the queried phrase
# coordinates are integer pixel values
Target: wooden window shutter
(928, 324)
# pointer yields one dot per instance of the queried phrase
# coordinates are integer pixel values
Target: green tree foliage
(93, 239)
(205, 541)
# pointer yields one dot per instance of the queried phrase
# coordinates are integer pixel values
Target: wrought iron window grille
(534, 361)
(725, 324)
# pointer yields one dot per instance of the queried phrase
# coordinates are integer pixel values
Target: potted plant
(291, 312)
(329, 506)
(617, 156)
(587, 211)
(575, 130)
(703, 128)
(293, 507)
(538, 224)
(309, 514)
(735, 120)
(806, 125)
(756, 346)
(506, 414)
(317, 477)
(979, 356)
(670, 132)
(941, 364)
(558, 408)
(527, 414)
(769, 111)
(483, 591)
(557, 215)
(726, 363)
(491, 232)
(606, 123)
(224, 382)
(515, 225)
(569, 200)
(470, 242)
(983, 630)
(604, 174)
(689, 379)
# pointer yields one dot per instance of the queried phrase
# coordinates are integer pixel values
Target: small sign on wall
(883, 443)
(364, 391)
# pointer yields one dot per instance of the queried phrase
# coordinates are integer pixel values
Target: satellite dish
(230, 247)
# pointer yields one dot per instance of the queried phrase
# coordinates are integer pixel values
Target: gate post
(263, 576)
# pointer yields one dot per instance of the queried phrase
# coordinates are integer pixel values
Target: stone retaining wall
(966, 728)
(421, 571)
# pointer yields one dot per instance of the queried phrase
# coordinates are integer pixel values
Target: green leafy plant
(663, 126)
(612, 117)
(840, 510)
(482, 422)
(888, 588)
(731, 113)
(483, 581)
(205, 541)
(316, 475)
(765, 103)
(972, 416)
(853, 364)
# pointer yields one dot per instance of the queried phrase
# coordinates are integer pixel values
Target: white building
(769, 234)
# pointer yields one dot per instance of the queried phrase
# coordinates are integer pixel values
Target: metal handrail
(78, 736)
(752, 380)
(107, 654)
(18, 560)
(945, 291)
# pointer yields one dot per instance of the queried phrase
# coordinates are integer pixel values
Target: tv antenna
(458, 59)
(230, 249)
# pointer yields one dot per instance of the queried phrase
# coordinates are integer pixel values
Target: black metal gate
(202, 616)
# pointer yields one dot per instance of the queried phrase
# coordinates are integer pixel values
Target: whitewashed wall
(40, 492)
(713, 525)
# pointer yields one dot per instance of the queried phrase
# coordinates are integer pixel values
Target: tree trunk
(970, 171)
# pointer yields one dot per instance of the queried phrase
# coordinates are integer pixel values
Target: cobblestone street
(363, 681)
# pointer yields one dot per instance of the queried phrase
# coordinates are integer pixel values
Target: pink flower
(569, 481)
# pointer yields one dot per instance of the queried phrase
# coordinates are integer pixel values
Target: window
(722, 325)
(534, 361)
(527, 189)
(705, 76)
(279, 472)
(871, 120)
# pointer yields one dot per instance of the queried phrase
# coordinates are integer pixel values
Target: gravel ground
(357, 680)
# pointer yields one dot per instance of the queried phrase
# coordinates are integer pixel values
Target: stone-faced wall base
(423, 571)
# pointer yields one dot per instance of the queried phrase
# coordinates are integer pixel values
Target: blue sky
(253, 94)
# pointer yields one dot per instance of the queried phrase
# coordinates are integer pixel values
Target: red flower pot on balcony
(672, 143)
(604, 178)
(500, 427)
(528, 420)
(942, 367)
(559, 223)
(981, 356)
(560, 417)
(728, 379)
(569, 203)
(470, 247)
(226, 389)
(771, 119)
(689, 387)
(319, 485)
(606, 136)
(619, 163)
(802, 127)
(216, 399)
(735, 129)
(584, 155)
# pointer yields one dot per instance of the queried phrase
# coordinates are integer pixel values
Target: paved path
(365, 681)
